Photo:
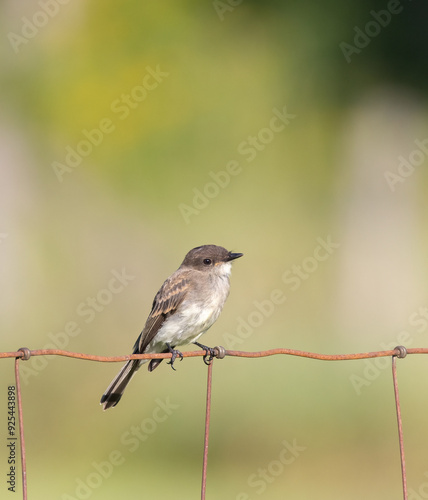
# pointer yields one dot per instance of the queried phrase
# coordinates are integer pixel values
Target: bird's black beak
(233, 256)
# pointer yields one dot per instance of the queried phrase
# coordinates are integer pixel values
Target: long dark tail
(118, 385)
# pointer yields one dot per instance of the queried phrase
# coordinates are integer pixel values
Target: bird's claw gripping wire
(175, 353)
(210, 352)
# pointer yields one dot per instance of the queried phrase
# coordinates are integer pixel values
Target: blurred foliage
(226, 70)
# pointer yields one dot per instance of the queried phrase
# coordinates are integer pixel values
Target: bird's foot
(175, 353)
(210, 353)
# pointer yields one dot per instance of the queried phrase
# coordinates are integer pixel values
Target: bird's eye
(207, 262)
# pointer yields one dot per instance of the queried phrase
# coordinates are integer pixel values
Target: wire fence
(24, 354)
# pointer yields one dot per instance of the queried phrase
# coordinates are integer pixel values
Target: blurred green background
(131, 133)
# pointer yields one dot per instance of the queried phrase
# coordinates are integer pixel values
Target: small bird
(186, 305)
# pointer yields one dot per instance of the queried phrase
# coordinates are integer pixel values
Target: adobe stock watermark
(421, 493)
(249, 149)
(87, 311)
(121, 108)
(379, 20)
(3, 236)
(373, 367)
(407, 166)
(222, 8)
(293, 278)
(264, 476)
(130, 441)
(31, 26)
(133, 437)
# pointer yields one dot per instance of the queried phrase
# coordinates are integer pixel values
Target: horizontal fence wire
(221, 350)
(24, 354)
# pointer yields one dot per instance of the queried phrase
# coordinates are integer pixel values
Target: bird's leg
(174, 353)
(209, 352)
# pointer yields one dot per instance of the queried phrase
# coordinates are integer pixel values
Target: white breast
(194, 316)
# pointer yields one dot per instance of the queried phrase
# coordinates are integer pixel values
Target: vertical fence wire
(400, 426)
(21, 431)
(207, 430)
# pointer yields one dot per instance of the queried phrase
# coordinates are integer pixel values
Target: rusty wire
(191, 354)
(21, 431)
(207, 429)
(403, 354)
(221, 352)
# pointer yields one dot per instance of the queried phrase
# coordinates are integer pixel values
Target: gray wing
(165, 303)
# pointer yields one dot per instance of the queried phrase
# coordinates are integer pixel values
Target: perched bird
(187, 304)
